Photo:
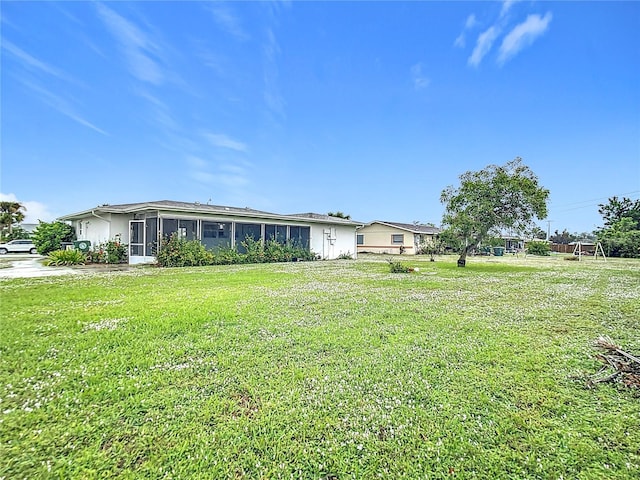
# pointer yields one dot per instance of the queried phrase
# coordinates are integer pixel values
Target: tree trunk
(462, 261)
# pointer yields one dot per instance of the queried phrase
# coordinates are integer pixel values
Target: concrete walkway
(31, 266)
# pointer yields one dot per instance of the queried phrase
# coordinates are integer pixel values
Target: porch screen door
(136, 238)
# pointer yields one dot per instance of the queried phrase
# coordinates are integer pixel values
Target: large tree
(620, 235)
(11, 213)
(48, 237)
(617, 209)
(492, 200)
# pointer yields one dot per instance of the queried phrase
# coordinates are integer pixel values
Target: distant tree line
(620, 234)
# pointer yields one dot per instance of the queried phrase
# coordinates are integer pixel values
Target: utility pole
(549, 229)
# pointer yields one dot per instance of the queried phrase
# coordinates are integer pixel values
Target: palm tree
(11, 213)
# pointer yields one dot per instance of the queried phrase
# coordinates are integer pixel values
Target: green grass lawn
(320, 370)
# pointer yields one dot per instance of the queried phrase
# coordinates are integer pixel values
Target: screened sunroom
(143, 226)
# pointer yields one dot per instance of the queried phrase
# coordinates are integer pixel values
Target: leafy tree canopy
(339, 215)
(494, 199)
(617, 209)
(11, 213)
(620, 236)
(47, 237)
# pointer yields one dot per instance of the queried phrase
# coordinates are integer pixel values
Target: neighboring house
(513, 244)
(143, 225)
(392, 237)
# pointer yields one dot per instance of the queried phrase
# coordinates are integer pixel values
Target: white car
(18, 246)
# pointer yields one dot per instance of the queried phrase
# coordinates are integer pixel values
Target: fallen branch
(626, 367)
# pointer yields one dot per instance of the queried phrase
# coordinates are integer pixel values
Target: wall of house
(377, 239)
(96, 230)
(331, 241)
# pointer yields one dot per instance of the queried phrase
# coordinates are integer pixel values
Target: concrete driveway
(24, 265)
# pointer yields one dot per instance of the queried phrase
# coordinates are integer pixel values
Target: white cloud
(228, 21)
(136, 45)
(30, 61)
(471, 21)
(523, 35)
(34, 210)
(272, 96)
(63, 106)
(197, 162)
(483, 45)
(420, 80)
(224, 141)
(461, 40)
(506, 6)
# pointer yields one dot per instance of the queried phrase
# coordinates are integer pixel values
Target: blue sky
(371, 108)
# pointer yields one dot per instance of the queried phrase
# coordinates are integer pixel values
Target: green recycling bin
(498, 251)
(82, 245)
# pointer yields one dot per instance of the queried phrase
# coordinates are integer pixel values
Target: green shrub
(116, 251)
(179, 252)
(47, 237)
(59, 258)
(254, 250)
(538, 248)
(345, 256)
(113, 251)
(398, 267)
(227, 256)
(17, 233)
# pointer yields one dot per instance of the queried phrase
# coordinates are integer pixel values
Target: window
(188, 229)
(360, 239)
(397, 239)
(276, 232)
(244, 230)
(185, 228)
(169, 227)
(216, 234)
(300, 236)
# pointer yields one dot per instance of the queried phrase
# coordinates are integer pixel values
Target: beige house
(393, 238)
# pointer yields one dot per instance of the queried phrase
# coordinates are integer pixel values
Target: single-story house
(143, 225)
(393, 237)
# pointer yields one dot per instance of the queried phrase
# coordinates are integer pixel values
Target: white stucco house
(393, 237)
(143, 225)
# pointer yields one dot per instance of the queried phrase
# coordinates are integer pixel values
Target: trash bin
(82, 245)
(498, 251)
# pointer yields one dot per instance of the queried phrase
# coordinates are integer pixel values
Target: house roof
(202, 208)
(409, 227)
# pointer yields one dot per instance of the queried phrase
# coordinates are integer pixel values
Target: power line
(588, 202)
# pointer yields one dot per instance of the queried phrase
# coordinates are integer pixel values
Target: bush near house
(179, 252)
(113, 251)
(538, 248)
(47, 237)
(59, 258)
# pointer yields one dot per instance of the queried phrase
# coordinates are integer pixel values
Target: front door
(136, 238)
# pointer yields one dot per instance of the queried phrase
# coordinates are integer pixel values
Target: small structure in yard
(143, 226)
(393, 237)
